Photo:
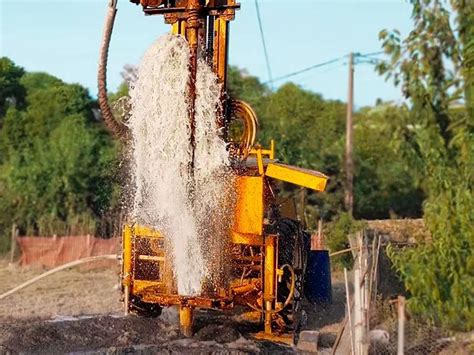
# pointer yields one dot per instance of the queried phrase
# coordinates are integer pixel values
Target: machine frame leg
(269, 280)
(186, 320)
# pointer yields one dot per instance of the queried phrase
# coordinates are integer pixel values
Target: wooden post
(13, 243)
(349, 198)
(358, 322)
(401, 325)
(365, 303)
(317, 242)
(349, 311)
(376, 276)
(320, 232)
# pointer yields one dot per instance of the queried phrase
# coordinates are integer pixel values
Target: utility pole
(349, 194)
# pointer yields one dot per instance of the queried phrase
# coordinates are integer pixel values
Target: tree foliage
(57, 161)
(436, 137)
(11, 91)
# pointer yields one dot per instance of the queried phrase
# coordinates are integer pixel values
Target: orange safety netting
(55, 251)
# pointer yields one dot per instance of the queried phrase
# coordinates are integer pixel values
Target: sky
(62, 37)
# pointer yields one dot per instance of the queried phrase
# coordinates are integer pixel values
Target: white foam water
(159, 124)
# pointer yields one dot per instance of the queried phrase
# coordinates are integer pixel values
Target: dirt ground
(79, 311)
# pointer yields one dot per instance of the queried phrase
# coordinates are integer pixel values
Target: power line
(370, 54)
(319, 65)
(306, 69)
(270, 79)
(373, 61)
(304, 79)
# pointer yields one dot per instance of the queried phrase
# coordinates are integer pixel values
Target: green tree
(58, 165)
(436, 137)
(384, 185)
(11, 90)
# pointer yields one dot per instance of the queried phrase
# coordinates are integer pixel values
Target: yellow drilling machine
(268, 247)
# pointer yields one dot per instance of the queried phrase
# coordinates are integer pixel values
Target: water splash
(161, 154)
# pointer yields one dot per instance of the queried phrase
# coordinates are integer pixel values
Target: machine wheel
(293, 245)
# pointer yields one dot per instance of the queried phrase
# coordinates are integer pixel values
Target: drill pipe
(193, 24)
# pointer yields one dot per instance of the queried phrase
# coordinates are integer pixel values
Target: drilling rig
(268, 244)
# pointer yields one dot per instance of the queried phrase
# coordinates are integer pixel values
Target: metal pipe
(192, 35)
(269, 281)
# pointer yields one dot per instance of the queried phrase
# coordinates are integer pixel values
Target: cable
(319, 65)
(373, 61)
(263, 43)
(370, 54)
(306, 69)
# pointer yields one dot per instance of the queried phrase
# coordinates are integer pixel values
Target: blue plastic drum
(318, 287)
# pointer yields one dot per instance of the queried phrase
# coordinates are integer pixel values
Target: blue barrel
(318, 288)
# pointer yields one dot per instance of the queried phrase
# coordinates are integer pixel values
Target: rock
(327, 340)
(308, 341)
(170, 315)
(379, 336)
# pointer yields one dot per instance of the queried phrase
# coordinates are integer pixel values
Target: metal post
(349, 198)
(401, 325)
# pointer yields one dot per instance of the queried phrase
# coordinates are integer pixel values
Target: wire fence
(396, 331)
(379, 322)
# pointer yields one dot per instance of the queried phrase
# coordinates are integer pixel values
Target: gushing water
(161, 154)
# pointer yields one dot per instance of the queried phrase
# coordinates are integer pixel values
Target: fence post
(349, 311)
(358, 304)
(13, 243)
(401, 325)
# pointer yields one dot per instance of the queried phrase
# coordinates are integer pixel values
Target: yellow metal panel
(143, 231)
(249, 207)
(298, 176)
(247, 239)
(139, 286)
(179, 28)
(175, 28)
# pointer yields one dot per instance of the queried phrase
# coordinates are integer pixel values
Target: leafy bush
(336, 233)
(437, 139)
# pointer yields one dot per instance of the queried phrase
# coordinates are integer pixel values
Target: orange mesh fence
(54, 251)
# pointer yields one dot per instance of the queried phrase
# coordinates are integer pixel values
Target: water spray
(207, 229)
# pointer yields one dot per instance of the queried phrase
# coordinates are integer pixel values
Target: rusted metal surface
(193, 23)
(152, 296)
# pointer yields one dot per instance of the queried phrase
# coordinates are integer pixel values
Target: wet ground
(79, 311)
